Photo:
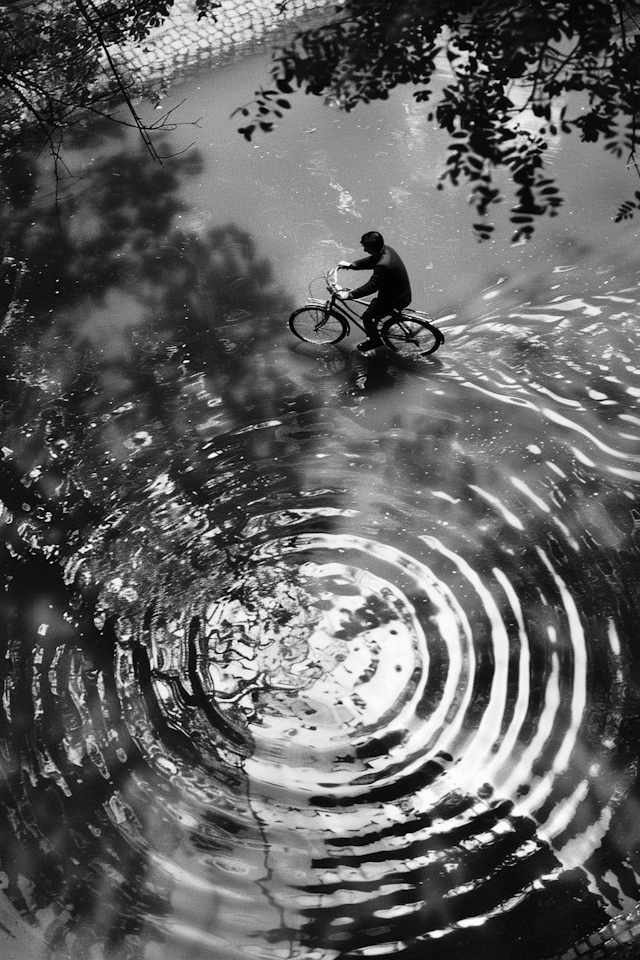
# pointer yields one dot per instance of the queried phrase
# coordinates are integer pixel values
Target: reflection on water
(305, 655)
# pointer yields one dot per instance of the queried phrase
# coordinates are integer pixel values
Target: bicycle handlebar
(331, 278)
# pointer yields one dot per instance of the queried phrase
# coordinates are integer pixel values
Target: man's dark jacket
(389, 280)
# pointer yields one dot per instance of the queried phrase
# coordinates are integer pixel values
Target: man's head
(372, 241)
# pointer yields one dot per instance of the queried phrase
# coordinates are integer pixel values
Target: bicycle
(406, 332)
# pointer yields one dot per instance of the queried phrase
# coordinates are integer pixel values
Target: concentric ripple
(356, 679)
(427, 708)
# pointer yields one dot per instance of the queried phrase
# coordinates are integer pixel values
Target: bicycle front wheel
(317, 325)
(411, 336)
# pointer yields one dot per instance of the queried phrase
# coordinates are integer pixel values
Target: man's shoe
(368, 345)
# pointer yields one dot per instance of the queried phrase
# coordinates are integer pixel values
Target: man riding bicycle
(389, 280)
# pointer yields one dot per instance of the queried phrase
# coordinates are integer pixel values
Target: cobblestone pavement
(184, 45)
(617, 940)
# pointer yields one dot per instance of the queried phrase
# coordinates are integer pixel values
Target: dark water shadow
(123, 306)
(125, 316)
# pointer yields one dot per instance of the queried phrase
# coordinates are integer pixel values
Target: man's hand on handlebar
(333, 284)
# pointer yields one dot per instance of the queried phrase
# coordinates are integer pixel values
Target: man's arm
(364, 263)
(372, 284)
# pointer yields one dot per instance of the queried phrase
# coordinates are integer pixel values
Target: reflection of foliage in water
(261, 633)
(86, 418)
(174, 306)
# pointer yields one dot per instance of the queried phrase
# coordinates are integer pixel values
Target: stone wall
(185, 45)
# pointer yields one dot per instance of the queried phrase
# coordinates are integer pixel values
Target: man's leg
(371, 317)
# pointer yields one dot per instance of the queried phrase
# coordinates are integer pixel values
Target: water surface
(304, 654)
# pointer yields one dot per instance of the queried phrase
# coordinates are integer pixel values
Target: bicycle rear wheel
(412, 336)
(317, 325)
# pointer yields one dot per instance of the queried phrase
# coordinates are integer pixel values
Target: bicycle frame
(340, 307)
(404, 330)
(343, 311)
